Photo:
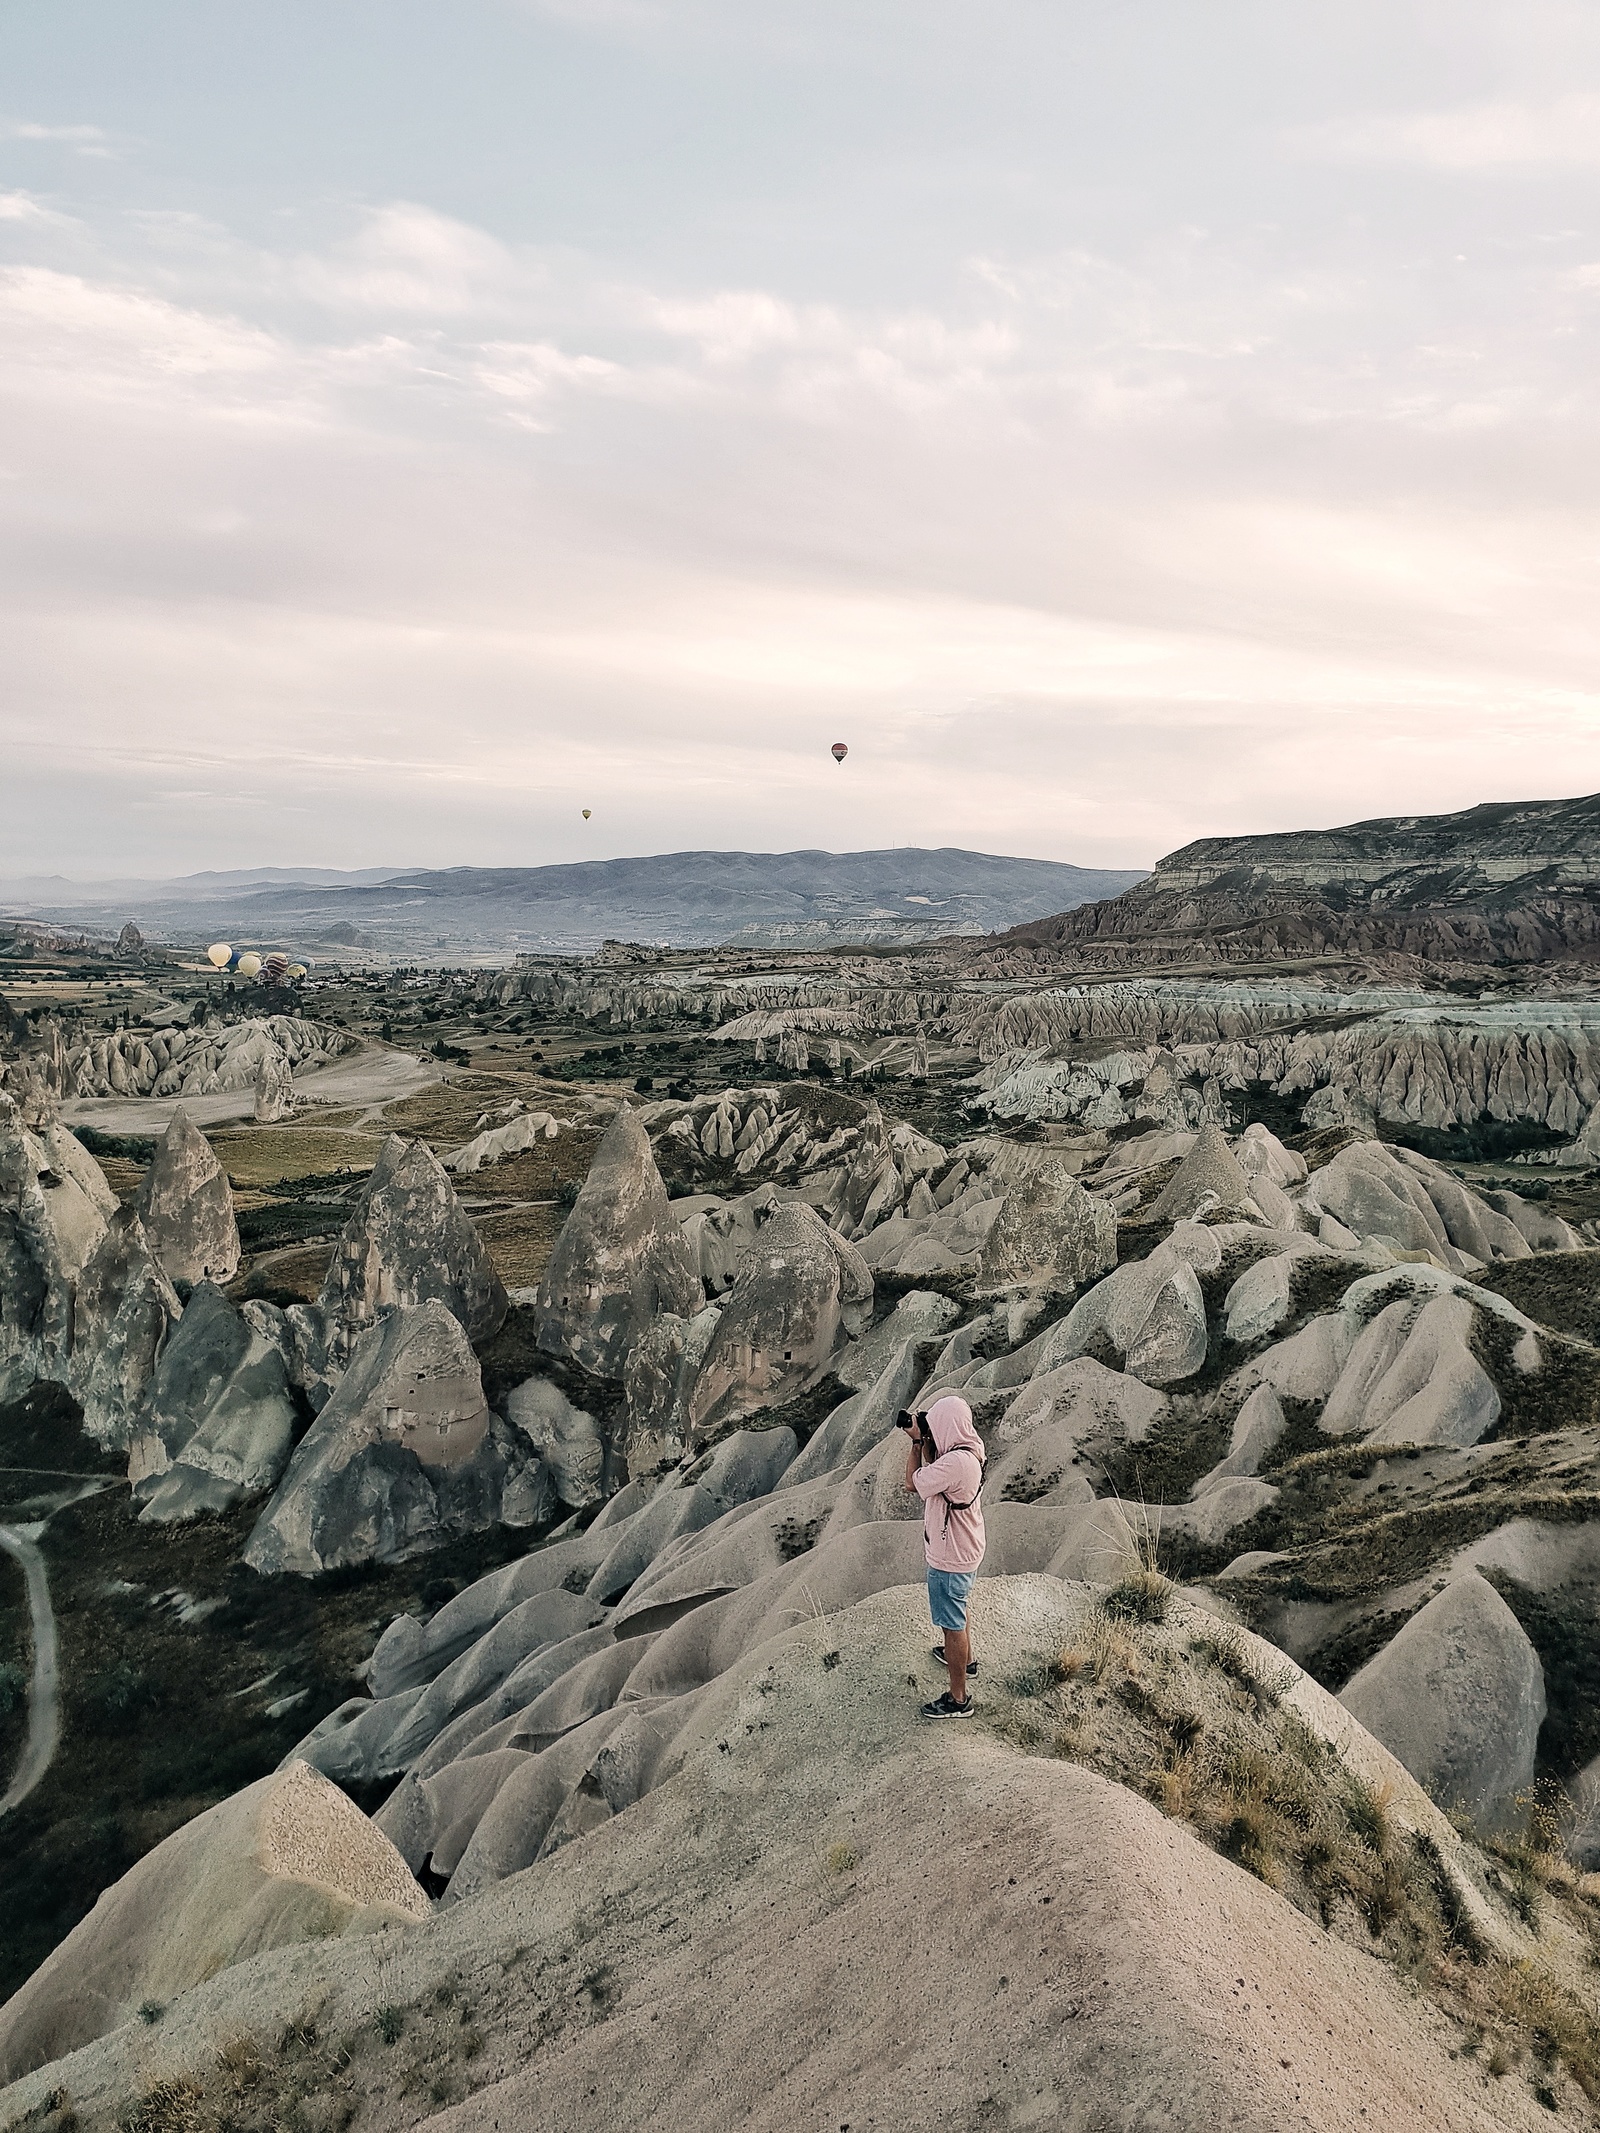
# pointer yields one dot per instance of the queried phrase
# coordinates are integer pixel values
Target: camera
(905, 1419)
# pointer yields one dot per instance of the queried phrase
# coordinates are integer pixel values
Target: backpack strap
(949, 1504)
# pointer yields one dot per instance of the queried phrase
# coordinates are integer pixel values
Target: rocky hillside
(1508, 884)
(447, 1668)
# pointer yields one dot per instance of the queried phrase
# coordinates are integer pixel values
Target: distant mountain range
(761, 900)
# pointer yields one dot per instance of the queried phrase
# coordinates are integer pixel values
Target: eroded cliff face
(1506, 884)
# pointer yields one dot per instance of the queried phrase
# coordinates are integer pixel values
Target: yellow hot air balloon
(219, 953)
(250, 965)
(586, 814)
(296, 972)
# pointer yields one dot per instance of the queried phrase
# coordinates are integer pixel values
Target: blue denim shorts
(947, 1597)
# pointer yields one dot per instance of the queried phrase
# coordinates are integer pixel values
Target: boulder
(1458, 1697)
(620, 1258)
(288, 1859)
(404, 1457)
(1399, 1199)
(1219, 1505)
(1260, 1300)
(1257, 1429)
(409, 1242)
(800, 1290)
(186, 1206)
(218, 1420)
(1150, 1312)
(920, 1315)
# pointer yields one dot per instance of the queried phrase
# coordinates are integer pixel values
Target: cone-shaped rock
(186, 1206)
(800, 1289)
(410, 1241)
(274, 1090)
(404, 1457)
(1458, 1695)
(1208, 1177)
(123, 1311)
(54, 1207)
(1049, 1234)
(620, 1258)
(288, 1859)
(219, 1419)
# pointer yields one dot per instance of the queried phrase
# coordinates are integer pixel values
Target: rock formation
(1049, 1235)
(54, 1208)
(218, 1419)
(800, 1290)
(186, 1206)
(274, 1090)
(123, 1310)
(409, 1242)
(185, 1061)
(620, 1258)
(404, 1454)
(1459, 1698)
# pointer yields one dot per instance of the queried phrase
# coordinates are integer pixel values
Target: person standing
(944, 1465)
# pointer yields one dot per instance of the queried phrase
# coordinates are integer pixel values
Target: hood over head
(950, 1420)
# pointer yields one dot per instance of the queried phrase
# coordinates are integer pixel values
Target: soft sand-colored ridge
(288, 1859)
(829, 1914)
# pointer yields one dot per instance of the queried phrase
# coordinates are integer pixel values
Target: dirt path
(44, 1697)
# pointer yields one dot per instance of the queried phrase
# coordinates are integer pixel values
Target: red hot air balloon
(840, 751)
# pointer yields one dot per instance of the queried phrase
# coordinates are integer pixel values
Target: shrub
(13, 1688)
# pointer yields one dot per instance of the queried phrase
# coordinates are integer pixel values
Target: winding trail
(44, 1698)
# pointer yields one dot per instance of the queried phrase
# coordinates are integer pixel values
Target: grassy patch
(1194, 1721)
(520, 1242)
(1559, 1289)
(278, 1155)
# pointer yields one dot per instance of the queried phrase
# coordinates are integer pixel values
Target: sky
(1118, 422)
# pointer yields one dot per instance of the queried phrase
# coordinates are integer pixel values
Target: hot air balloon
(219, 954)
(840, 751)
(275, 967)
(250, 965)
(296, 972)
(586, 814)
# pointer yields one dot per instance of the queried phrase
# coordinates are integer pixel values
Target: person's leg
(955, 1659)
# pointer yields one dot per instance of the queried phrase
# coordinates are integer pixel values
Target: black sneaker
(945, 1706)
(938, 1653)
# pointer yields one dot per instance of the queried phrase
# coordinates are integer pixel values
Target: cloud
(1563, 133)
(410, 260)
(82, 140)
(384, 530)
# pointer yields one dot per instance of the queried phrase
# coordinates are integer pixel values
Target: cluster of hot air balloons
(276, 968)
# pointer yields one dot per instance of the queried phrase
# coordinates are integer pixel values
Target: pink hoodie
(952, 1522)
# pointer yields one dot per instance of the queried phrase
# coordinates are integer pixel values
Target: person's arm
(917, 1452)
